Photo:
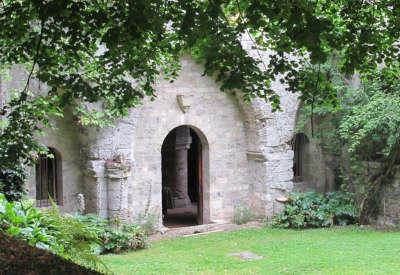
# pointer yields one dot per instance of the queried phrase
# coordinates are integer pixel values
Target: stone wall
(269, 136)
(64, 138)
(214, 116)
(389, 213)
(247, 154)
(320, 165)
(246, 148)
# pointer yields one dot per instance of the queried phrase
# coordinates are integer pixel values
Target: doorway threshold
(170, 233)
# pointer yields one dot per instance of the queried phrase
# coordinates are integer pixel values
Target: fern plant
(128, 237)
(62, 235)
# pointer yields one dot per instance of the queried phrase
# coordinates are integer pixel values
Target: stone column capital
(94, 168)
(118, 170)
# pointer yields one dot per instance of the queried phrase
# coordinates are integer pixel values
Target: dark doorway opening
(182, 178)
(49, 179)
(300, 143)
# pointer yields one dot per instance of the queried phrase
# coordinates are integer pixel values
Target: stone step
(169, 233)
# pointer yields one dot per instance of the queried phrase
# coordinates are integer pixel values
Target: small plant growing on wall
(242, 214)
(148, 222)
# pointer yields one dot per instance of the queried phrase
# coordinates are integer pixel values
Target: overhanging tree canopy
(87, 51)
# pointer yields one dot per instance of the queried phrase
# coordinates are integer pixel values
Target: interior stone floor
(181, 217)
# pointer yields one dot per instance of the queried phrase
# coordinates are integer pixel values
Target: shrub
(311, 209)
(242, 214)
(62, 235)
(137, 236)
(17, 257)
(75, 238)
(343, 206)
(129, 237)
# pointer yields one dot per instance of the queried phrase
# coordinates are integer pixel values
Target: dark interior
(178, 216)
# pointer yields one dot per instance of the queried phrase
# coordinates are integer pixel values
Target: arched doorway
(182, 178)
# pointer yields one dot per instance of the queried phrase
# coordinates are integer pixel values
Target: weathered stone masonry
(246, 148)
(247, 157)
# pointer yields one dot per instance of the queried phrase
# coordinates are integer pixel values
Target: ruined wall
(320, 165)
(324, 168)
(247, 154)
(389, 208)
(324, 154)
(269, 142)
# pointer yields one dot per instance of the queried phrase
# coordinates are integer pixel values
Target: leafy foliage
(366, 119)
(371, 127)
(365, 114)
(18, 257)
(112, 53)
(18, 147)
(129, 237)
(62, 235)
(311, 209)
(75, 238)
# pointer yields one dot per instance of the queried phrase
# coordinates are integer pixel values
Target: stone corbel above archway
(184, 102)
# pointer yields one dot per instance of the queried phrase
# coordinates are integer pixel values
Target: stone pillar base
(182, 203)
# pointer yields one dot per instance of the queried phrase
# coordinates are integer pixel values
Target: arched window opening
(300, 142)
(48, 179)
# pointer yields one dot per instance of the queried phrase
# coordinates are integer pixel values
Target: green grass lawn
(318, 251)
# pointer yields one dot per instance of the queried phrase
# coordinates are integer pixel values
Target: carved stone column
(95, 188)
(117, 173)
(182, 145)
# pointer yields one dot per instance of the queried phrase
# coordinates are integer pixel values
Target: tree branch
(24, 93)
(313, 101)
(251, 38)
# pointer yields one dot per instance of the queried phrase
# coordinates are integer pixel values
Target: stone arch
(195, 140)
(205, 154)
(199, 132)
